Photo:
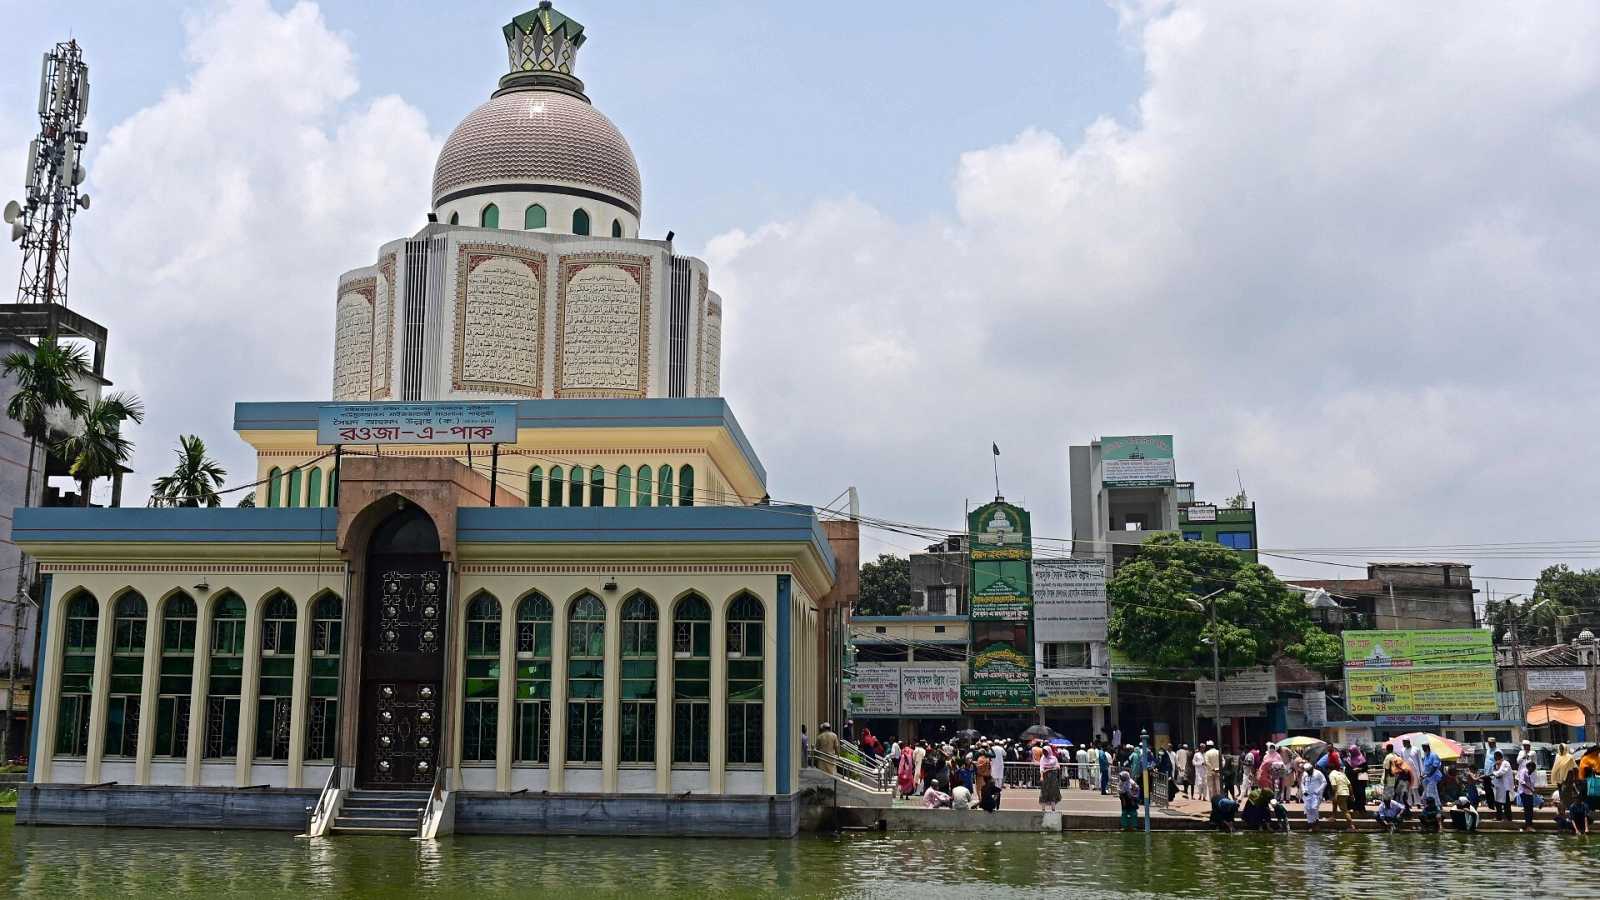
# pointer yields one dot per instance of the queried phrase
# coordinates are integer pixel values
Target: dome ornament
(542, 46)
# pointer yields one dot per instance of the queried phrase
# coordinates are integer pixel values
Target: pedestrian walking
(906, 774)
(828, 746)
(1182, 772)
(1527, 795)
(997, 768)
(1413, 757)
(1313, 784)
(1049, 779)
(1502, 781)
(1339, 782)
(1432, 774)
(1104, 759)
(1213, 758)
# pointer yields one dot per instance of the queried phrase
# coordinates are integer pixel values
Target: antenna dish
(13, 212)
(83, 200)
(17, 231)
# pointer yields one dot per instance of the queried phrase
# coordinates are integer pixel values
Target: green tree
(99, 449)
(195, 479)
(1258, 618)
(885, 586)
(1573, 597)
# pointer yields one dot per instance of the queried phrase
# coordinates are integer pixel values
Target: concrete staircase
(380, 812)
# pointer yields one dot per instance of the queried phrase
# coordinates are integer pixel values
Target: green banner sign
(1445, 670)
(1137, 460)
(984, 697)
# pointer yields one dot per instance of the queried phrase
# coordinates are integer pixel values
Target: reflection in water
(108, 862)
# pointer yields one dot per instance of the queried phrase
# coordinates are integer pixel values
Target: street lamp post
(1144, 772)
(1208, 604)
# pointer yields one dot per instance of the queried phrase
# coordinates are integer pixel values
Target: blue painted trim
(891, 620)
(610, 524)
(785, 660)
(38, 676)
(659, 412)
(220, 525)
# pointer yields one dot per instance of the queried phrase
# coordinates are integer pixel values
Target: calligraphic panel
(603, 326)
(499, 321)
(352, 364)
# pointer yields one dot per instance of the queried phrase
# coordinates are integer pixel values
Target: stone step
(407, 824)
(374, 829)
(368, 812)
(380, 803)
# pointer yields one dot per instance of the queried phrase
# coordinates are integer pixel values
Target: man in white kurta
(1312, 787)
(1201, 781)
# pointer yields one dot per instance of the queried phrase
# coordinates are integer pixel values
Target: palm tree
(99, 450)
(194, 481)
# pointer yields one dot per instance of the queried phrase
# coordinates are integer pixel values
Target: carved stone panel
(499, 345)
(352, 347)
(603, 326)
(710, 381)
(383, 330)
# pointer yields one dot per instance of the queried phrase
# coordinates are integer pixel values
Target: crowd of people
(1403, 784)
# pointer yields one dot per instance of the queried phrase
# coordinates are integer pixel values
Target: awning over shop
(1556, 710)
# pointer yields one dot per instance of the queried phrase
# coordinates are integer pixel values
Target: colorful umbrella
(1300, 742)
(1446, 749)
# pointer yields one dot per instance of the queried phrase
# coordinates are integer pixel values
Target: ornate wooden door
(402, 671)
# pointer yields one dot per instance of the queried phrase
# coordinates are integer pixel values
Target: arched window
(586, 678)
(616, 228)
(664, 486)
(644, 494)
(179, 619)
(691, 681)
(686, 485)
(77, 675)
(534, 217)
(482, 674)
(275, 677)
(455, 218)
(536, 486)
(127, 675)
(327, 645)
(746, 647)
(597, 486)
(580, 221)
(490, 218)
(624, 486)
(575, 487)
(274, 486)
(226, 679)
(535, 619)
(558, 486)
(314, 487)
(638, 714)
(294, 488)
(333, 487)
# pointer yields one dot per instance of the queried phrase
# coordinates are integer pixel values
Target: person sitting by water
(1257, 808)
(933, 797)
(1223, 811)
(960, 798)
(989, 800)
(1429, 821)
(1391, 812)
(1280, 816)
(1578, 815)
(1464, 817)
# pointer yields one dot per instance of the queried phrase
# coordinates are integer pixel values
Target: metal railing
(322, 813)
(427, 818)
(862, 771)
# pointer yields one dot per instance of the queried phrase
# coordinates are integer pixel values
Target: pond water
(113, 862)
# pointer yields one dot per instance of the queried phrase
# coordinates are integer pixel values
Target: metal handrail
(435, 797)
(870, 777)
(328, 790)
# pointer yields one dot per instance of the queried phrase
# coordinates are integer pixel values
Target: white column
(505, 707)
(299, 703)
(611, 715)
(664, 700)
(149, 691)
(249, 691)
(100, 688)
(558, 698)
(719, 696)
(48, 687)
(197, 690)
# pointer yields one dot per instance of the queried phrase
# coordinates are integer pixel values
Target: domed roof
(538, 136)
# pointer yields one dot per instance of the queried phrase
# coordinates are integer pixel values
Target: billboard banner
(930, 691)
(875, 690)
(1065, 688)
(1252, 686)
(1000, 531)
(1447, 670)
(1000, 608)
(985, 697)
(1069, 600)
(1137, 460)
(1570, 680)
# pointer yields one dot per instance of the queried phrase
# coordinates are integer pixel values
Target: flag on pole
(996, 449)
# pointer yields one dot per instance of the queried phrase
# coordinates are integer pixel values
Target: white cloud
(223, 214)
(1346, 249)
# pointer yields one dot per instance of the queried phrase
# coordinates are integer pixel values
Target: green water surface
(129, 863)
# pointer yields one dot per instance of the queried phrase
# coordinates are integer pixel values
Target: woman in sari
(907, 773)
(1049, 778)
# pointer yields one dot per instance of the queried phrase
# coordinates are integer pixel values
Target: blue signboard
(417, 423)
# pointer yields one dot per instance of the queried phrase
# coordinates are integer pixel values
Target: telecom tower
(42, 220)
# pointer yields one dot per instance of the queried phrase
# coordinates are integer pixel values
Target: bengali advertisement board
(1557, 680)
(997, 697)
(1447, 670)
(930, 690)
(1073, 688)
(1069, 600)
(417, 423)
(1252, 686)
(875, 690)
(1137, 460)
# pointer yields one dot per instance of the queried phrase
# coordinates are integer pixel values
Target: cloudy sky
(1344, 251)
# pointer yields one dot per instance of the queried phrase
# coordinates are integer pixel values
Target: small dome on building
(539, 130)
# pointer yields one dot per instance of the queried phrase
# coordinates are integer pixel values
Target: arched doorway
(402, 665)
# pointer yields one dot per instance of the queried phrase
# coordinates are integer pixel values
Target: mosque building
(525, 559)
